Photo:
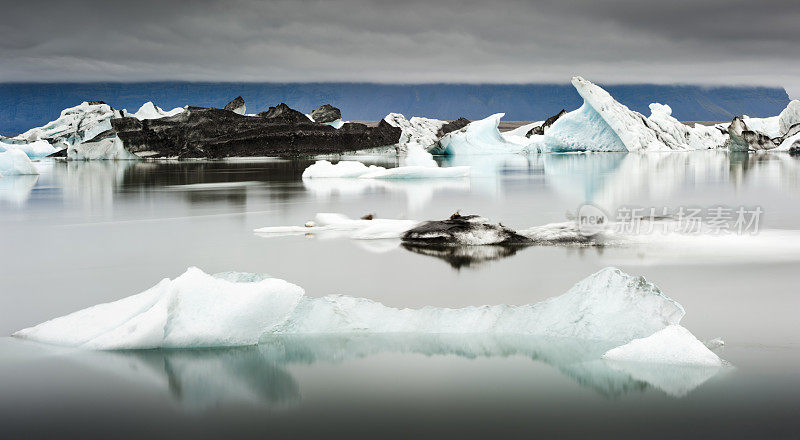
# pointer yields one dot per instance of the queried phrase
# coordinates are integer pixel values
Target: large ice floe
(201, 310)
(16, 162)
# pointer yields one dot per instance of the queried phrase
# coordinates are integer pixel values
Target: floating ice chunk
(16, 162)
(193, 310)
(38, 148)
(351, 169)
(376, 228)
(672, 345)
(148, 110)
(478, 137)
(198, 310)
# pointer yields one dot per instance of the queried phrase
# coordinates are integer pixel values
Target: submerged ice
(200, 310)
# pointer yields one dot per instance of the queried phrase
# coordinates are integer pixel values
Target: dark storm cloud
(709, 42)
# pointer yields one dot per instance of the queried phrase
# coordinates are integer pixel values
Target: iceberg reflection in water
(15, 190)
(201, 379)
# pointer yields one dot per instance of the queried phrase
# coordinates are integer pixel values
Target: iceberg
(193, 310)
(478, 137)
(15, 162)
(75, 125)
(671, 345)
(199, 310)
(37, 148)
(148, 110)
(676, 133)
(775, 126)
(423, 132)
(603, 124)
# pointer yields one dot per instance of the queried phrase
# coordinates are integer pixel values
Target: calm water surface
(84, 233)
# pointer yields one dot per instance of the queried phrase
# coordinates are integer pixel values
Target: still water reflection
(83, 233)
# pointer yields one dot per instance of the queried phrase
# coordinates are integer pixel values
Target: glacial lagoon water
(83, 233)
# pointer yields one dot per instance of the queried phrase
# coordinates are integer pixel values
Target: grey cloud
(679, 41)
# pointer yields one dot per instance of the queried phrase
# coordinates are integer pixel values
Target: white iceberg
(199, 310)
(478, 137)
(37, 148)
(148, 110)
(675, 133)
(423, 132)
(75, 125)
(775, 126)
(603, 124)
(15, 162)
(671, 345)
(193, 310)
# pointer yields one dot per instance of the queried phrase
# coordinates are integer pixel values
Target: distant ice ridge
(15, 162)
(672, 345)
(200, 310)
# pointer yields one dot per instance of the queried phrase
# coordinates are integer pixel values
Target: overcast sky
(627, 41)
